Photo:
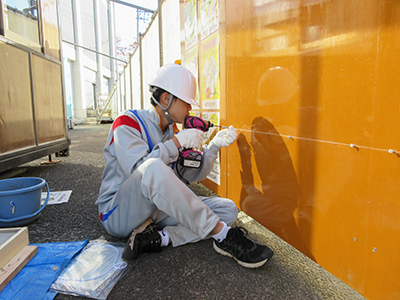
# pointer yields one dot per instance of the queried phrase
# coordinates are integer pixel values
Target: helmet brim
(191, 102)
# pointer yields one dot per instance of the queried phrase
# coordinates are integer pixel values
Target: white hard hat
(176, 80)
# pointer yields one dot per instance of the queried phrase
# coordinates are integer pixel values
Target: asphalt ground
(193, 271)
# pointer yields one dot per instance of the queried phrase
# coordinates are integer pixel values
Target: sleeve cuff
(213, 148)
(173, 151)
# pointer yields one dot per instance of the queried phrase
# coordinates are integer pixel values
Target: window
(21, 22)
(90, 89)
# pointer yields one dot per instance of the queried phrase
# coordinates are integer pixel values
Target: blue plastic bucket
(20, 200)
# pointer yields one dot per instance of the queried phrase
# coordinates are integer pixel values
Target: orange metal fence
(313, 89)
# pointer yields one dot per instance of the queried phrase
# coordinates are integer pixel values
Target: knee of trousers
(232, 213)
(150, 176)
(155, 172)
(155, 166)
(227, 211)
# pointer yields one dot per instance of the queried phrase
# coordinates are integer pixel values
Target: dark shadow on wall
(275, 204)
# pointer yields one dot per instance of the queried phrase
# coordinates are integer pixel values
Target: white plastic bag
(94, 272)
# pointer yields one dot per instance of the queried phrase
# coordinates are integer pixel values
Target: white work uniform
(138, 183)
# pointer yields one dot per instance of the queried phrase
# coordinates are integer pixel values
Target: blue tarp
(35, 279)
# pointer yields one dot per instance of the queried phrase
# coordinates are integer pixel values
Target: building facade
(88, 47)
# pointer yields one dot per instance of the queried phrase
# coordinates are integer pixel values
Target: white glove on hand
(190, 138)
(225, 137)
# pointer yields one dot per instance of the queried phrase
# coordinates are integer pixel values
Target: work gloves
(225, 137)
(190, 138)
(193, 138)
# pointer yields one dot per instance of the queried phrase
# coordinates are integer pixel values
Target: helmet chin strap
(165, 110)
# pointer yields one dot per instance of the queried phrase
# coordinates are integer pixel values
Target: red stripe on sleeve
(125, 120)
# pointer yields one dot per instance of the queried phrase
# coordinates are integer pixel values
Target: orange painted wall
(302, 81)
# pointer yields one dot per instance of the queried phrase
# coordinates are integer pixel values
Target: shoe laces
(151, 235)
(239, 236)
(150, 232)
(150, 229)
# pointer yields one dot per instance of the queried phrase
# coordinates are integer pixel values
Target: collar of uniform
(154, 112)
(175, 128)
(156, 115)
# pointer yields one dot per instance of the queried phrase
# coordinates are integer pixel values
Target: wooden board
(12, 241)
(16, 128)
(49, 102)
(8, 272)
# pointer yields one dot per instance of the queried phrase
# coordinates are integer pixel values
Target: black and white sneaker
(247, 253)
(143, 239)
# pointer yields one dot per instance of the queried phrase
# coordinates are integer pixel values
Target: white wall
(78, 20)
(171, 31)
(150, 57)
(136, 81)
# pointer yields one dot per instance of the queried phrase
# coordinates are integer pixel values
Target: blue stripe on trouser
(104, 217)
